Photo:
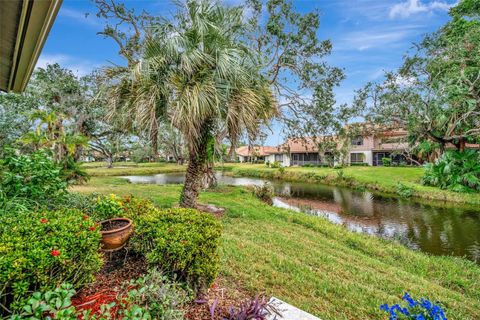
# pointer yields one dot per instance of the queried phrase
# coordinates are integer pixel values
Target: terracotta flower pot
(115, 233)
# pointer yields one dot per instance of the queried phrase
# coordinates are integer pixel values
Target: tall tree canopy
(197, 69)
(435, 94)
(293, 61)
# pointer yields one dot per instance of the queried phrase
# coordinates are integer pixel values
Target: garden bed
(121, 267)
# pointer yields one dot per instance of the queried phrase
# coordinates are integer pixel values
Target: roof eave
(35, 22)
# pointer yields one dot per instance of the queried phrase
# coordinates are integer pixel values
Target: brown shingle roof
(261, 151)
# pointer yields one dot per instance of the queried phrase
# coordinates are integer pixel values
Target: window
(356, 157)
(279, 157)
(357, 141)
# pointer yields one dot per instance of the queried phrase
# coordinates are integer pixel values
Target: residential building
(368, 149)
(253, 153)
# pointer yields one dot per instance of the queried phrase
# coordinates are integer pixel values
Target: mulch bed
(224, 292)
(119, 266)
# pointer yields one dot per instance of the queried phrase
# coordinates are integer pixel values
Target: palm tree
(198, 71)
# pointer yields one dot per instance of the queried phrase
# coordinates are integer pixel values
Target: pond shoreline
(437, 230)
(332, 178)
(327, 176)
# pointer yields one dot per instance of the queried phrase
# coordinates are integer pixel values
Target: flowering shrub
(422, 309)
(38, 250)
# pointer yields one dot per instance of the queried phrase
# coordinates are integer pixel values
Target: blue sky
(368, 36)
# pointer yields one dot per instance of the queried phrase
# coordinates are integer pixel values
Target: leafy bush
(34, 178)
(108, 207)
(387, 162)
(276, 165)
(72, 172)
(56, 304)
(264, 192)
(179, 241)
(38, 250)
(456, 171)
(316, 165)
(422, 309)
(404, 191)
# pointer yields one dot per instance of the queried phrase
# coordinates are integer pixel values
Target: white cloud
(80, 67)
(413, 7)
(82, 17)
(374, 38)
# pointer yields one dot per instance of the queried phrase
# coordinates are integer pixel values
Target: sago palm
(198, 69)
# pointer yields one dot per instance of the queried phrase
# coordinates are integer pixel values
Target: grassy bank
(316, 265)
(383, 179)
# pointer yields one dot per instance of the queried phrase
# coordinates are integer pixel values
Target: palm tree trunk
(154, 140)
(197, 164)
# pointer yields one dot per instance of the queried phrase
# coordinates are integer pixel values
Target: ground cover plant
(153, 296)
(316, 265)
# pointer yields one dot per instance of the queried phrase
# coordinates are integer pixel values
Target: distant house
(253, 153)
(371, 148)
(368, 149)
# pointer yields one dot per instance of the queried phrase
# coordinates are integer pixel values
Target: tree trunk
(197, 164)
(109, 161)
(461, 145)
(209, 178)
(154, 140)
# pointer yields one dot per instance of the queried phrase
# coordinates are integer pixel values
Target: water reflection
(433, 229)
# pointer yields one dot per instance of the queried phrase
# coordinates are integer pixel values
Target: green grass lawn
(316, 265)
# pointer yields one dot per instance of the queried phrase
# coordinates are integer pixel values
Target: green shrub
(359, 164)
(387, 162)
(276, 165)
(264, 192)
(34, 178)
(39, 250)
(456, 171)
(404, 191)
(181, 242)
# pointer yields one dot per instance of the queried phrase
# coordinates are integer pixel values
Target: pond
(434, 229)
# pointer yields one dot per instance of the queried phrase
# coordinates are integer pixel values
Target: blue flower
(422, 309)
